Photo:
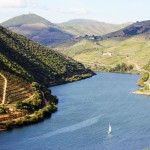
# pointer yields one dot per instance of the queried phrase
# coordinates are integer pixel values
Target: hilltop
(131, 30)
(29, 68)
(81, 27)
(37, 28)
(49, 34)
(26, 19)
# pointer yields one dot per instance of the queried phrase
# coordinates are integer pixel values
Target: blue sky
(110, 11)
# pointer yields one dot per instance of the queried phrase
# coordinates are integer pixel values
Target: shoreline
(139, 92)
(146, 93)
(32, 118)
(48, 115)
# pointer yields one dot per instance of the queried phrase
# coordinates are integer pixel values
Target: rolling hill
(46, 33)
(81, 27)
(26, 70)
(106, 54)
(37, 28)
(131, 30)
(130, 45)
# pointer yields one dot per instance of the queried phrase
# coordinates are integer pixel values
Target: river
(85, 110)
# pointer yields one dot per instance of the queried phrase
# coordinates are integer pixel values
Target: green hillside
(26, 69)
(108, 53)
(81, 27)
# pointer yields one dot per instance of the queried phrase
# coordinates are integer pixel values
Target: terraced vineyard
(17, 89)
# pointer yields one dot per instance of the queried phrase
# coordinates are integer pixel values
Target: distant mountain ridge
(82, 21)
(131, 30)
(47, 33)
(81, 27)
(37, 28)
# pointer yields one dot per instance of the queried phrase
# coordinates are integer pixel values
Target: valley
(125, 51)
(74, 75)
(28, 68)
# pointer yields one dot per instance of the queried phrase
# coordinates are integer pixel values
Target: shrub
(2, 110)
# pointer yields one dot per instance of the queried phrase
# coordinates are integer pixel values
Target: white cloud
(76, 11)
(71, 10)
(13, 3)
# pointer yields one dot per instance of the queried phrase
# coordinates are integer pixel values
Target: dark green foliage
(32, 104)
(144, 78)
(37, 102)
(9, 125)
(2, 110)
(34, 62)
(36, 117)
(122, 68)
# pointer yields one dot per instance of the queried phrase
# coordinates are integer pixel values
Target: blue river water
(85, 110)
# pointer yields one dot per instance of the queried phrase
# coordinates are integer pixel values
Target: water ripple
(71, 128)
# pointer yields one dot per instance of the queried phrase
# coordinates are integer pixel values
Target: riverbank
(40, 105)
(144, 84)
(31, 111)
(142, 93)
(46, 111)
(29, 119)
(71, 79)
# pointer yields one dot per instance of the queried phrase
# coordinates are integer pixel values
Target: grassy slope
(91, 29)
(23, 62)
(131, 50)
(147, 66)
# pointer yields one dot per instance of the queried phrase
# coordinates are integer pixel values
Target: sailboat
(109, 129)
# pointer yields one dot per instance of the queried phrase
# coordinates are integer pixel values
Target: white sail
(109, 129)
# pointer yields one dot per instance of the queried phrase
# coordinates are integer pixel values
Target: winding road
(4, 88)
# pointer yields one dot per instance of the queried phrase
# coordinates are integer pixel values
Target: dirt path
(4, 88)
(139, 69)
(45, 101)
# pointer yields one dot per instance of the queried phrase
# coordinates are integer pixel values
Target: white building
(107, 54)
